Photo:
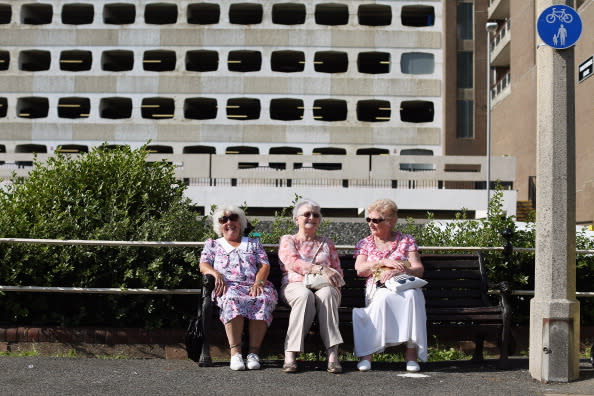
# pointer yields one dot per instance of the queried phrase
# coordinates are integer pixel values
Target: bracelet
(260, 282)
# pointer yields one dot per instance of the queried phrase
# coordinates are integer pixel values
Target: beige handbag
(317, 281)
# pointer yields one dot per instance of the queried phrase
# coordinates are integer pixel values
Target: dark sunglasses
(374, 221)
(231, 217)
(310, 214)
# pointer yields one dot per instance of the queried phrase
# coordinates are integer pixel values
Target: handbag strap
(313, 259)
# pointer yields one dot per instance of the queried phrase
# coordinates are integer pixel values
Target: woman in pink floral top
(299, 254)
(390, 318)
(240, 268)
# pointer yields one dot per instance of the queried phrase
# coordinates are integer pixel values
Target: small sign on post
(559, 26)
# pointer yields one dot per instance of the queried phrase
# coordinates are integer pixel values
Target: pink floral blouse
(295, 257)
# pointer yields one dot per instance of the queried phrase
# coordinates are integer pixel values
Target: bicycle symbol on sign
(560, 15)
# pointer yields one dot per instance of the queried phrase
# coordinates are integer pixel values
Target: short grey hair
(306, 202)
(220, 212)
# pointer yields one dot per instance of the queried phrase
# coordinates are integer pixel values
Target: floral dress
(239, 266)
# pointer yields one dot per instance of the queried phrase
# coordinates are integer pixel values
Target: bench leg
(479, 341)
(205, 359)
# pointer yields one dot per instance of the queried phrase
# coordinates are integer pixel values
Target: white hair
(220, 212)
(306, 202)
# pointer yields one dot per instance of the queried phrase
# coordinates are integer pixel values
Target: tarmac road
(88, 376)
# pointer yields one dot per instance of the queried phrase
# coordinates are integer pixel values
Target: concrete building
(256, 101)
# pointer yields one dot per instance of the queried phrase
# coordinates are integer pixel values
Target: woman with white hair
(240, 268)
(307, 253)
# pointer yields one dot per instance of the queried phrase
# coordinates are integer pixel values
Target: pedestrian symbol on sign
(559, 26)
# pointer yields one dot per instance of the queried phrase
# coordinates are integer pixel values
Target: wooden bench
(456, 298)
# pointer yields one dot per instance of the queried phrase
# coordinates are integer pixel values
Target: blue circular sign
(559, 26)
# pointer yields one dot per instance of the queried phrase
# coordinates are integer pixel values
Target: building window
(243, 109)
(34, 60)
(416, 111)
(199, 150)
(159, 60)
(72, 149)
(244, 61)
(203, 13)
(202, 60)
(36, 14)
(32, 107)
(287, 61)
(332, 14)
(374, 14)
(200, 108)
(331, 62)
(285, 150)
(286, 109)
(417, 16)
(160, 13)
(4, 60)
(372, 151)
(115, 108)
(373, 62)
(464, 69)
(157, 108)
(464, 20)
(5, 13)
(328, 151)
(119, 13)
(75, 60)
(74, 107)
(464, 119)
(29, 148)
(3, 110)
(288, 13)
(159, 149)
(330, 110)
(245, 13)
(77, 14)
(373, 110)
(244, 150)
(117, 60)
(417, 63)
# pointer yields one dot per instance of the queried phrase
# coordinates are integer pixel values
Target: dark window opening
(244, 150)
(286, 109)
(200, 108)
(159, 149)
(287, 61)
(202, 60)
(203, 13)
(2, 150)
(115, 108)
(373, 110)
(32, 107)
(5, 13)
(29, 148)
(330, 110)
(288, 13)
(285, 150)
(416, 167)
(3, 109)
(328, 151)
(72, 149)
(416, 111)
(331, 62)
(117, 60)
(332, 14)
(160, 13)
(157, 108)
(464, 119)
(34, 60)
(245, 13)
(373, 62)
(244, 61)
(199, 150)
(374, 15)
(107, 147)
(417, 15)
(74, 107)
(417, 63)
(4, 60)
(36, 14)
(159, 60)
(75, 60)
(119, 13)
(243, 109)
(372, 151)
(77, 14)
(475, 168)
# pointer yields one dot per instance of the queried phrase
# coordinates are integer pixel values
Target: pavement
(41, 375)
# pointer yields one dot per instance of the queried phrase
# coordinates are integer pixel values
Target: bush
(102, 195)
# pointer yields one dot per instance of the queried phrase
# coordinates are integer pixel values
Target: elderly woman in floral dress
(240, 268)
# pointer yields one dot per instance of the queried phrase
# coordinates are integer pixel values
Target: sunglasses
(310, 214)
(231, 217)
(374, 221)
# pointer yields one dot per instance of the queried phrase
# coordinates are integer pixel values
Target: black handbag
(195, 337)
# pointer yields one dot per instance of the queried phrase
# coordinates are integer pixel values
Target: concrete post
(554, 310)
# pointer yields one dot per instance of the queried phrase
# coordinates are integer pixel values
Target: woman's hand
(220, 285)
(257, 288)
(333, 276)
(399, 265)
(387, 274)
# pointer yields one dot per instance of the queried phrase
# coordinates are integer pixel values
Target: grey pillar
(554, 310)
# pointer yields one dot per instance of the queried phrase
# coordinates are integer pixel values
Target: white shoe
(364, 365)
(253, 362)
(412, 366)
(236, 362)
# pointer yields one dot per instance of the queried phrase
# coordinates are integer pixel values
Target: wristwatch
(260, 282)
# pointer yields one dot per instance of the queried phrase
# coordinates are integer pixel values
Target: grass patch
(20, 353)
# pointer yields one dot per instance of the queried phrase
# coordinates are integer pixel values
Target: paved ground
(84, 376)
